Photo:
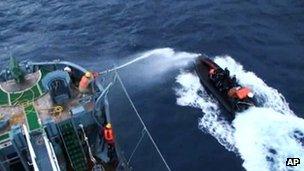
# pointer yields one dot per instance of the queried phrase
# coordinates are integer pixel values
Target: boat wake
(264, 136)
(191, 93)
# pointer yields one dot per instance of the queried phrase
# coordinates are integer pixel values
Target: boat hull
(202, 68)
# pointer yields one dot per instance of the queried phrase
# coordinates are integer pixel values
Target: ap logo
(292, 161)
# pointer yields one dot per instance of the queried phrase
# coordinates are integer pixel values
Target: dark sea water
(265, 36)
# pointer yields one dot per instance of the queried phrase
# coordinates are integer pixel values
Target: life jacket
(239, 93)
(242, 93)
(108, 135)
(84, 82)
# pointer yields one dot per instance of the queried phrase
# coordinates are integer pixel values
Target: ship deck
(29, 104)
(16, 103)
(12, 93)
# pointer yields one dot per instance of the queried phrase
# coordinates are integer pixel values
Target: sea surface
(264, 38)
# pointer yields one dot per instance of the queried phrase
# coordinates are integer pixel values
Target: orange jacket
(241, 93)
(84, 82)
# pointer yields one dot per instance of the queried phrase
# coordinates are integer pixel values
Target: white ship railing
(31, 149)
(51, 153)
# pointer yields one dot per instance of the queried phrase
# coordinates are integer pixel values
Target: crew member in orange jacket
(240, 93)
(108, 134)
(85, 82)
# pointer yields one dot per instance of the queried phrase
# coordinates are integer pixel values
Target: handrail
(51, 153)
(31, 149)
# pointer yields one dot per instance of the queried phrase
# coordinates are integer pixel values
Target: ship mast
(15, 70)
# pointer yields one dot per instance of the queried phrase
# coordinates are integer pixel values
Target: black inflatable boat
(224, 88)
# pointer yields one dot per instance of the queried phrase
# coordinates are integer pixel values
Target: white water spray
(264, 137)
(165, 53)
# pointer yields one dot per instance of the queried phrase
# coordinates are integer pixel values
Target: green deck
(4, 137)
(28, 95)
(3, 98)
(25, 98)
(32, 118)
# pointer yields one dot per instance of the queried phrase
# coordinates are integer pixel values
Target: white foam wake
(264, 137)
(267, 96)
(191, 93)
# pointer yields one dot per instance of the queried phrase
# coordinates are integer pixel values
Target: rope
(137, 145)
(104, 93)
(142, 122)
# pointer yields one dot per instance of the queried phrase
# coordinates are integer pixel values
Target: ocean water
(263, 136)
(264, 37)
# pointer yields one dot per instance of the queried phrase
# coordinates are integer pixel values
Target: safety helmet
(67, 69)
(88, 74)
(108, 126)
(250, 94)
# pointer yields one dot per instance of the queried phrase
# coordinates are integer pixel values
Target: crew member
(240, 93)
(221, 79)
(217, 76)
(108, 134)
(67, 69)
(71, 74)
(226, 72)
(109, 139)
(85, 82)
(232, 92)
